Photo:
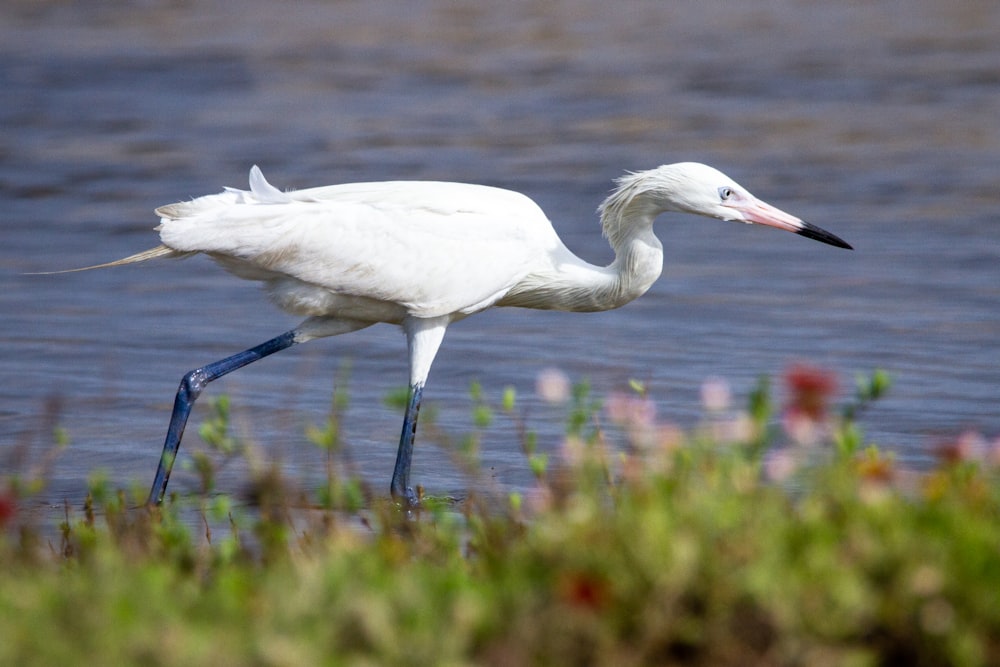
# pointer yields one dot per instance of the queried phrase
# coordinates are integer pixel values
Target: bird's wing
(430, 248)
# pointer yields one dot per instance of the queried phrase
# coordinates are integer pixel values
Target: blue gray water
(875, 121)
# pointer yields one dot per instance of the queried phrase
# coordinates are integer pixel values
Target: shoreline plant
(767, 535)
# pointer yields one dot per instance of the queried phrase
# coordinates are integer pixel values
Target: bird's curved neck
(638, 253)
(573, 284)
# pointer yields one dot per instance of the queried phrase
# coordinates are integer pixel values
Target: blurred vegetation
(770, 535)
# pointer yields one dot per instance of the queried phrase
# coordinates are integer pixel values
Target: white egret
(423, 255)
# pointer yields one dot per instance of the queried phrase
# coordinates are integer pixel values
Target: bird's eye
(725, 193)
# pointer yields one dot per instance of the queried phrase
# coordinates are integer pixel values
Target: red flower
(584, 590)
(811, 389)
(8, 507)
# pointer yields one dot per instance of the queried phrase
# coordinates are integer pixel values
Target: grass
(765, 536)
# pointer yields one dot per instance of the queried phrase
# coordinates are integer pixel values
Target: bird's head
(691, 187)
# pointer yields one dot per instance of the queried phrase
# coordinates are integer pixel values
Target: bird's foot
(408, 499)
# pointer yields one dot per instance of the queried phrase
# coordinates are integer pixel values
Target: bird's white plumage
(387, 251)
(369, 251)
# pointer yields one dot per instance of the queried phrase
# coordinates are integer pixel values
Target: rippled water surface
(876, 123)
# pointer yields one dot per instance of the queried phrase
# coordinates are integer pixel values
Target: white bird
(423, 255)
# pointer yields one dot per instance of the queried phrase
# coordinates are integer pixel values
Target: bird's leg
(400, 486)
(423, 338)
(191, 387)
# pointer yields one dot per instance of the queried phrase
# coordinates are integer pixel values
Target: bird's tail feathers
(152, 253)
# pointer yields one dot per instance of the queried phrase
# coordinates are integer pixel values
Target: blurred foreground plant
(638, 544)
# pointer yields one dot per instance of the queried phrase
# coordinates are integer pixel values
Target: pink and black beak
(761, 213)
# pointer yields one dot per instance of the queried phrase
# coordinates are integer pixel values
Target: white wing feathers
(423, 248)
(261, 192)
(264, 192)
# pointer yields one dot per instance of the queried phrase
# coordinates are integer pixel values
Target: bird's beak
(761, 213)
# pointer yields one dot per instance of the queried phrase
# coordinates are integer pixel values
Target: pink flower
(631, 411)
(715, 395)
(780, 464)
(553, 386)
(966, 447)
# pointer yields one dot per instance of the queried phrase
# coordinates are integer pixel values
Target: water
(876, 123)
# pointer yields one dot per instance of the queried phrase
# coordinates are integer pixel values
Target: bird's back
(369, 250)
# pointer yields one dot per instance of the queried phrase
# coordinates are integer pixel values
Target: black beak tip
(819, 234)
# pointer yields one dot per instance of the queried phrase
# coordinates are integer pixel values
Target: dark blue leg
(191, 387)
(400, 486)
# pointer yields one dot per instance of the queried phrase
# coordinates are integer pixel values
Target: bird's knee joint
(194, 382)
